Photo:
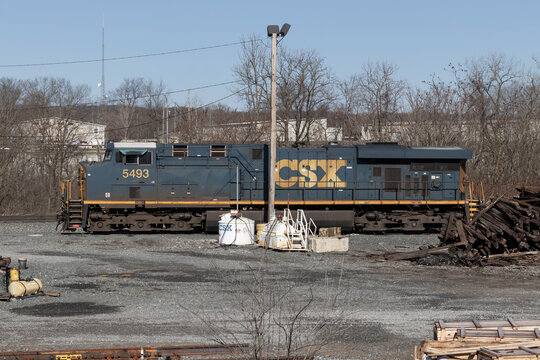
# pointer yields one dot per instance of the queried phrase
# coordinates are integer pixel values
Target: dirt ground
(171, 289)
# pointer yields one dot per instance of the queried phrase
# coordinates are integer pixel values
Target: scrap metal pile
(482, 340)
(504, 232)
(507, 231)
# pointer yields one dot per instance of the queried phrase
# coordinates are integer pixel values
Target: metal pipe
(273, 134)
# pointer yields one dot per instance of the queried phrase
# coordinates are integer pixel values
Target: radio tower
(103, 60)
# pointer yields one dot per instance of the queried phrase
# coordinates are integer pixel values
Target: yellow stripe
(296, 202)
(374, 202)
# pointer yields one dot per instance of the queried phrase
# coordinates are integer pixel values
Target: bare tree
(11, 92)
(253, 75)
(376, 96)
(490, 90)
(155, 102)
(349, 108)
(278, 318)
(56, 139)
(305, 92)
(128, 96)
(435, 116)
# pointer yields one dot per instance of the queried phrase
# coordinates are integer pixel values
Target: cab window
(134, 157)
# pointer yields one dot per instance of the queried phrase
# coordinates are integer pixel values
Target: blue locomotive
(148, 186)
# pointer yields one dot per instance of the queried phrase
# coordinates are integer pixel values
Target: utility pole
(163, 121)
(273, 31)
(189, 105)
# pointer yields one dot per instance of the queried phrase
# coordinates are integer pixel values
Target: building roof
(56, 118)
(395, 151)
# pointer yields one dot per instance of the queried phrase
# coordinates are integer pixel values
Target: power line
(39, 107)
(141, 124)
(177, 114)
(128, 57)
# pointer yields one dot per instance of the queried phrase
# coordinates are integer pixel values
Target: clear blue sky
(420, 37)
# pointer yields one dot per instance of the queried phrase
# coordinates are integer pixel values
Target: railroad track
(203, 352)
(174, 352)
(28, 218)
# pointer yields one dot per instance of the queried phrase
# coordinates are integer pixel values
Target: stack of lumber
(504, 232)
(523, 353)
(507, 231)
(485, 339)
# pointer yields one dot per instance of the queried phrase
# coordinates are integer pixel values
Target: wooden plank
(486, 209)
(448, 227)
(464, 350)
(447, 330)
(529, 350)
(418, 253)
(493, 324)
(461, 232)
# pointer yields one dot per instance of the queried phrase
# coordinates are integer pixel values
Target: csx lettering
(135, 173)
(225, 227)
(304, 173)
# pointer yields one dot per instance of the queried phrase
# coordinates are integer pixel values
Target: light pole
(165, 120)
(274, 32)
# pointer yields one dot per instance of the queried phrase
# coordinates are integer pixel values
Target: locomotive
(149, 186)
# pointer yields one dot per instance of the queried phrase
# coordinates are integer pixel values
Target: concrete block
(331, 231)
(328, 244)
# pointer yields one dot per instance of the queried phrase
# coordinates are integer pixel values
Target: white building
(88, 138)
(317, 131)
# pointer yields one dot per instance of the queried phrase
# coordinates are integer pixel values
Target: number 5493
(135, 173)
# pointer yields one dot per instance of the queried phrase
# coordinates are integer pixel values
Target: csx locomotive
(148, 186)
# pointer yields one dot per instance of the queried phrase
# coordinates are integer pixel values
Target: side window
(180, 150)
(134, 157)
(131, 159)
(145, 159)
(217, 151)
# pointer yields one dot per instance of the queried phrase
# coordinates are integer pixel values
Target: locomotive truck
(149, 186)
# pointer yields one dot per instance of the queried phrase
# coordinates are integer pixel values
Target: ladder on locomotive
(475, 198)
(75, 212)
(72, 207)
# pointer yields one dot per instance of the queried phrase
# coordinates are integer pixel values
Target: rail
(140, 352)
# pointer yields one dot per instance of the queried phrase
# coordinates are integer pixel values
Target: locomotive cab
(126, 177)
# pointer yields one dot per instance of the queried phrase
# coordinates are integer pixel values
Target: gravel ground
(170, 289)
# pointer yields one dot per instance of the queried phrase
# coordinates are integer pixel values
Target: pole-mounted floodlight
(272, 29)
(284, 29)
(274, 32)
